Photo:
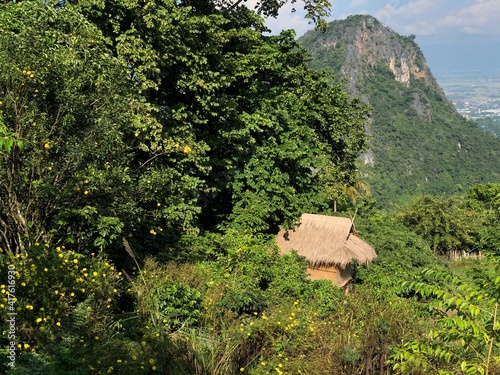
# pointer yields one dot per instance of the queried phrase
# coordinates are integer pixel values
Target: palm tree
(352, 192)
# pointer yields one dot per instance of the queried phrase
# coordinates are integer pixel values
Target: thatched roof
(326, 241)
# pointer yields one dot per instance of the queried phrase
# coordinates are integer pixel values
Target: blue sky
(462, 33)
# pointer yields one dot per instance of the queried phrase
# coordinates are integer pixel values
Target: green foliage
(65, 305)
(164, 302)
(178, 130)
(178, 302)
(253, 274)
(485, 199)
(489, 124)
(490, 239)
(72, 130)
(175, 119)
(8, 139)
(487, 195)
(465, 334)
(422, 151)
(445, 225)
(401, 254)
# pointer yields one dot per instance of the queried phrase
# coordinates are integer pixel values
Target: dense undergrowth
(245, 308)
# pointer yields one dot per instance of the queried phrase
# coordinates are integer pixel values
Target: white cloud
(422, 28)
(412, 8)
(399, 14)
(478, 18)
(441, 18)
(431, 17)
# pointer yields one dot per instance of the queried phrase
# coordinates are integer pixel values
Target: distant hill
(420, 143)
(490, 124)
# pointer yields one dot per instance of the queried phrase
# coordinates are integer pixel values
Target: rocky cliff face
(374, 43)
(415, 130)
(361, 42)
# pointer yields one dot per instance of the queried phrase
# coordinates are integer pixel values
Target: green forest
(490, 124)
(151, 150)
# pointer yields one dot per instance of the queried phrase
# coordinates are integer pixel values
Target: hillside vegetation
(149, 152)
(490, 124)
(419, 142)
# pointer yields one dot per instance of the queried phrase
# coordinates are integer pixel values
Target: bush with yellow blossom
(68, 312)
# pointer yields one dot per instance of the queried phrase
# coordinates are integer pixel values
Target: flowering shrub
(66, 305)
(51, 283)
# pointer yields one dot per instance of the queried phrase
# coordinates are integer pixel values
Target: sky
(453, 34)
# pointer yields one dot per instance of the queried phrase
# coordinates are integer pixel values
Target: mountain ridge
(420, 143)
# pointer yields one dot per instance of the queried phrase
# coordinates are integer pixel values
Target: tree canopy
(159, 119)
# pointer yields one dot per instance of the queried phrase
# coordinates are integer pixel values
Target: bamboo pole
(491, 340)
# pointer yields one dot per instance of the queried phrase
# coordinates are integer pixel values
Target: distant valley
(475, 94)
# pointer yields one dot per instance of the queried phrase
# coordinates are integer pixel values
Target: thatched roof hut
(326, 242)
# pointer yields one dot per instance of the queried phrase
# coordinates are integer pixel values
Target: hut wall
(338, 276)
(321, 273)
(345, 275)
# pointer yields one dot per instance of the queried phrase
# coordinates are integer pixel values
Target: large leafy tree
(443, 223)
(84, 175)
(485, 199)
(266, 122)
(152, 119)
(66, 99)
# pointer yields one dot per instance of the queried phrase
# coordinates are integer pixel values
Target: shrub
(68, 319)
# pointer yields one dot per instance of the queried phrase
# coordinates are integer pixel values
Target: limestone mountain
(419, 142)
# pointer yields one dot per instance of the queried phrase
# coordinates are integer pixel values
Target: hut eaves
(325, 241)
